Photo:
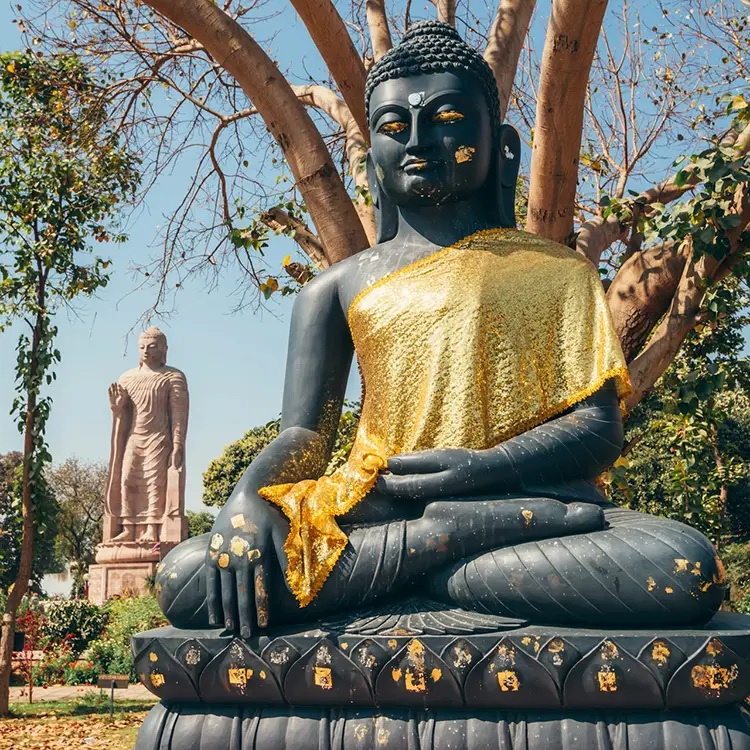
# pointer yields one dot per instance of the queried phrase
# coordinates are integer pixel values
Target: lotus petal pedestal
(426, 678)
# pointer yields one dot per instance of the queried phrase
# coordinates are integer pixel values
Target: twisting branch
(280, 221)
(237, 52)
(377, 23)
(698, 275)
(597, 234)
(446, 11)
(332, 39)
(355, 146)
(506, 38)
(568, 52)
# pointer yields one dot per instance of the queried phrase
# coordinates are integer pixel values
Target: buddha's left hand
(438, 473)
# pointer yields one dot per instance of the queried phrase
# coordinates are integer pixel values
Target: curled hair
(435, 47)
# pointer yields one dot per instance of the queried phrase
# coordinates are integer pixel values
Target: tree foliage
(223, 473)
(80, 489)
(63, 178)
(687, 453)
(45, 560)
(200, 522)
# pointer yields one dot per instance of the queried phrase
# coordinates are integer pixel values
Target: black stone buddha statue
(493, 383)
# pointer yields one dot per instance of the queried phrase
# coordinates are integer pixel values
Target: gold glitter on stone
(517, 329)
(464, 154)
(237, 521)
(238, 546)
(223, 560)
(216, 541)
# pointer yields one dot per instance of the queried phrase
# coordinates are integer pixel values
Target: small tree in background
(199, 523)
(223, 473)
(63, 176)
(45, 559)
(80, 489)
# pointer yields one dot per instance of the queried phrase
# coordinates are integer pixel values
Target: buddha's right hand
(244, 548)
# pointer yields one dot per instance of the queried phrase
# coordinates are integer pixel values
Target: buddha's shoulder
(347, 272)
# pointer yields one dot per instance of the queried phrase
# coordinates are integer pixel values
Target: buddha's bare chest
(377, 264)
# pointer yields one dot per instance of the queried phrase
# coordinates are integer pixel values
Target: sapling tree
(63, 179)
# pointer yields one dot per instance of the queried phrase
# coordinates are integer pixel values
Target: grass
(79, 722)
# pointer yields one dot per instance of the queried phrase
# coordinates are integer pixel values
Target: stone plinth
(429, 678)
(123, 568)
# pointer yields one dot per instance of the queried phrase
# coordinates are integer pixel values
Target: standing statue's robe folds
(466, 348)
(155, 420)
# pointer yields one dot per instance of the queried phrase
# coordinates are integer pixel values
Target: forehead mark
(416, 98)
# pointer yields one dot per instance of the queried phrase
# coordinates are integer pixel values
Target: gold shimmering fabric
(466, 348)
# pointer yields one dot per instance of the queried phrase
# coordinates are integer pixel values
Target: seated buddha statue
(492, 389)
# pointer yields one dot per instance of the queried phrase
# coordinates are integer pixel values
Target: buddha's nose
(417, 135)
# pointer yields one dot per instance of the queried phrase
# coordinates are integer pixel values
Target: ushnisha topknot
(434, 47)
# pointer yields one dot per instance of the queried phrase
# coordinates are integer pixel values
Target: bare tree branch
(332, 39)
(507, 35)
(446, 11)
(377, 23)
(280, 221)
(236, 51)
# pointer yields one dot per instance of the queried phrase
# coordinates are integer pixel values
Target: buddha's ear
(508, 163)
(386, 216)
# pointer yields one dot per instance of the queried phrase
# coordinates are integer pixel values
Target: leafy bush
(108, 656)
(131, 615)
(77, 620)
(223, 473)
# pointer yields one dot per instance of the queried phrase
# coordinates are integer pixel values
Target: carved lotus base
(450, 679)
(170, 727)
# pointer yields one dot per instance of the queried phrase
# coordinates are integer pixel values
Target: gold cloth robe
(466, 348)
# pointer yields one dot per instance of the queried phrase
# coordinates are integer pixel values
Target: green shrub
(131, 615)
(108, 656)
(77, 620)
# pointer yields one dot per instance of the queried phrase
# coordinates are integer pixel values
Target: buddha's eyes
(451, 115)
(391, 128)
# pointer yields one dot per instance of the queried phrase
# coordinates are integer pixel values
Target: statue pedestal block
(433, 679)
(118, 579)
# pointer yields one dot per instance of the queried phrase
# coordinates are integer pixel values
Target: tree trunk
(332, 39)
(377, 23)
(21, 583)
(330, 206)
(572, 35)
(446, 11)
(507, 36)
(641, 292)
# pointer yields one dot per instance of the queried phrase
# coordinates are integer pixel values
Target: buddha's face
(152, 351)
(431, 138)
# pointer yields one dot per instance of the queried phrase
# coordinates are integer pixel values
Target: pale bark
(596, 235)
(237, 52)
(354, 144)
(280, 221)
(506, 39)
(642, 291)
(446, 11)
(568, 52)
(377, 24)
(332, 39)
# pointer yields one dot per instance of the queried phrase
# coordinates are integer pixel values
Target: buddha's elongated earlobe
(386, 215)
(508, 162)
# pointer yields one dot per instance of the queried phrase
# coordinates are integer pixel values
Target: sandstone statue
(147, 465)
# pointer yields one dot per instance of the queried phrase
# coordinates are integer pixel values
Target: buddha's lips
(419, 165)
